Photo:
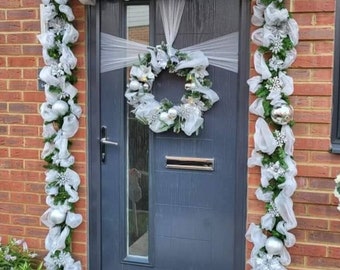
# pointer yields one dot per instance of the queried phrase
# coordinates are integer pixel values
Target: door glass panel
(137, 22)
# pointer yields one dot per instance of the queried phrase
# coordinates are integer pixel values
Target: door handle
(103, 142)
(106, 141)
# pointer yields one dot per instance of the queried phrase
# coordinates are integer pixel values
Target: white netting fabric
(222, 51)
(118, 53)
(171, 14)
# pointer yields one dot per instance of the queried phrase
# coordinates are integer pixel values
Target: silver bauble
(282, 113)
(60, 107)
(134, 85)
(164, 116)
(172, 113)
(274, 246)
(57, 216)
(189, 86)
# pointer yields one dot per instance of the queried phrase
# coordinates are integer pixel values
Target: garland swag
(60, 113)
(276, 38)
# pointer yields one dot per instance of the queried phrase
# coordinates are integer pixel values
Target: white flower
(276, 44)
(263, 261)
(280, 138)
(276, 170)
(275, 63)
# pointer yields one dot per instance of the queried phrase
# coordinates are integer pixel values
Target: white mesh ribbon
(263, 137)
(171, 13)
(118, 53)
(222, 52)
(255, 235)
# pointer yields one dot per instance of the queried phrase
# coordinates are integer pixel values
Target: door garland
(276, 39)
(60, 113)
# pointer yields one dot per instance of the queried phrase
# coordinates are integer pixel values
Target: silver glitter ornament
(282, 114)
(134, 85)
(57, 216)
(60, 107)
(274, 246)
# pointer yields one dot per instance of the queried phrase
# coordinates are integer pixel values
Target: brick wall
(318, 231)
(22, 195)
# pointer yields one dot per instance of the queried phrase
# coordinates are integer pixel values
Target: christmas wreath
(163, 115)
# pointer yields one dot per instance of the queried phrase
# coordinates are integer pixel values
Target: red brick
(334, 252)
(24, 153)
(10, 50)
(38, 232)
(305, 47)
(10, 96)
(23, 108)
(11, 208)
(324, 157)
(312, 116)
(11, 164)
(24, 131)
(313, 170)
(10, 73)
(320, 130)
(31, 26)
(324, 47)
(320, 184)
(325, 18)
(22, 61)
(323, 263)
(21, 14)
(313, 89)
(9, 26)
(311, 250)
(308, 61)
(311, 197)
(12, 141)
(313, 5)
(3, 130)
(25, 197)
(31, 49)
(24, 38)
(23, 85)
(304, 19)
(3, 107)
(10, 119)
(31, 3)
(320, 75)
(313, 33)
(25, 220)
(323, 211)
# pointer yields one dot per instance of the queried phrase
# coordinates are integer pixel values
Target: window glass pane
(137, 150)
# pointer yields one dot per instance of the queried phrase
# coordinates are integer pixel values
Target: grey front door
(144, 214)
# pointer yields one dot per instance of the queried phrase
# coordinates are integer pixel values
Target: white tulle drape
(171, 14)
(118, 53)
(222, 52)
